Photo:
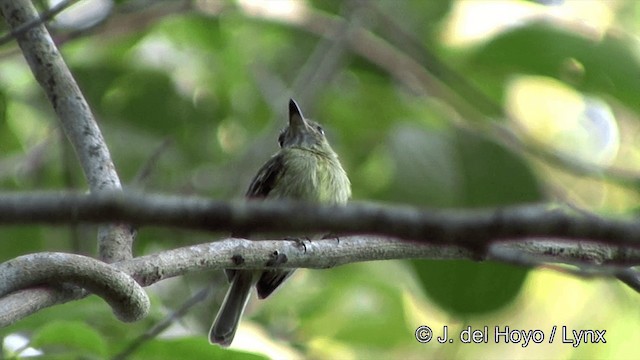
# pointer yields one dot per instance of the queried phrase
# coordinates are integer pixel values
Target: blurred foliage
(206, 89)
(557, 53)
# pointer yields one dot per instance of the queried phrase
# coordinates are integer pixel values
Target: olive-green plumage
(306, 168)
(310, 176)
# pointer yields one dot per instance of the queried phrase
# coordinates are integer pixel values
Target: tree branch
(53, 75)
(78, 123)
(41, 19)
(22, 303)
(318, 254)
(527, 235)
(522, 235)
(161, 326)
(128, 300)
(474, 229)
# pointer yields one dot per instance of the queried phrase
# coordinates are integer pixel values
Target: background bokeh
(446, 104)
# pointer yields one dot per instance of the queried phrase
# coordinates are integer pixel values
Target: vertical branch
(78, 123)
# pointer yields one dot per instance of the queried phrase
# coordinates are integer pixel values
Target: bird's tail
(226, 322)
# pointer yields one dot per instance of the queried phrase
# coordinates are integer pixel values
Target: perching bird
(305, 168)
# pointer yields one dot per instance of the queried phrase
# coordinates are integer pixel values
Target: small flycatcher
(306, 169)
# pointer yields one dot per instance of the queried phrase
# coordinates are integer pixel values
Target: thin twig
(150, 165)
(40, 20)
(158, 328)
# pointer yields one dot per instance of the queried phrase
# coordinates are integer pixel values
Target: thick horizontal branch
(474, 229)
(522, 234)
(265, 254)
(40, 268)
(318, 254)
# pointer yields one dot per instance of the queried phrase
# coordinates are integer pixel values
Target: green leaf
(455, 168)
(12, 247)
(541, 49)
(189, 348)
(349, 304)
(8, 140)
(427, 171)
(492, 175)
(465, 288)
(70, 336)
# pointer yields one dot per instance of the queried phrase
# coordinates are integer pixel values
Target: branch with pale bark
(73, 111)
(80, 127)
(526, 235)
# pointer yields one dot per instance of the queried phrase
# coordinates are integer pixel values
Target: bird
(306, 169)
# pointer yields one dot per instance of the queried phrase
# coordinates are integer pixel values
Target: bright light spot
(288, 10)
(563, 119)
(326, 347)
(472, 21)
(27, 123)
(253, 338)
(231, 136)
(16, 78)
(83, 14)
(16, 344)
(592, 15)
(156, 51)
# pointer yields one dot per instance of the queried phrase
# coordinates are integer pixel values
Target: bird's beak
(296, 120)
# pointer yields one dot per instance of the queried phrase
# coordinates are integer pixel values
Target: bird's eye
(320, 129)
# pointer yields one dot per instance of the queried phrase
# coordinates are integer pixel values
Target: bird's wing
(267, 177)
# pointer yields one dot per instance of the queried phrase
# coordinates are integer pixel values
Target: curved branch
(22, 303)
(320, 254)
(127, 299)
(78, 123)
